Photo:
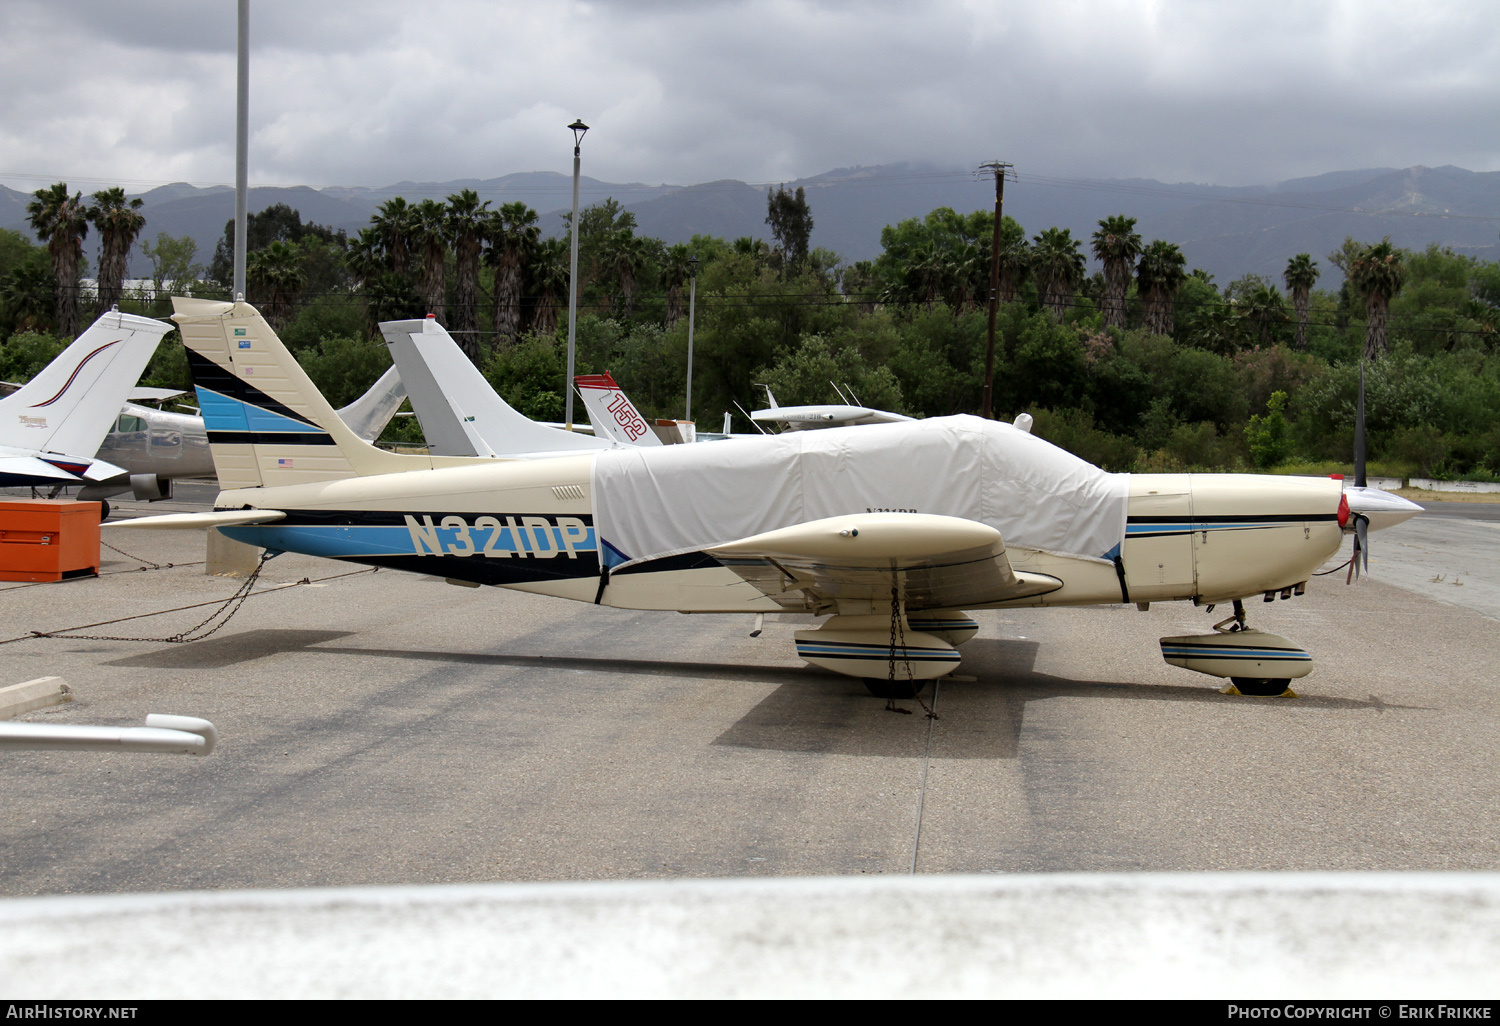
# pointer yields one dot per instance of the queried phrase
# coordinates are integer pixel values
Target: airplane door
(1158, 552)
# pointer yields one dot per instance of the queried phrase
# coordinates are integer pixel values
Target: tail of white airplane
(612, 414)
(370, 413)
(70, 406)
(460, 413)
(267, 423)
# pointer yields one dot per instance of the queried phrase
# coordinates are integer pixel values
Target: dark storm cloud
(373, 93)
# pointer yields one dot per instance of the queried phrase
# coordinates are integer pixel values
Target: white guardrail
(1362, 936)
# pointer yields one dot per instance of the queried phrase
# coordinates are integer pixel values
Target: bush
(1074, 431)
(1269, 437)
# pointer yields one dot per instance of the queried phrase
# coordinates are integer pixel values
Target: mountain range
(1225, 230)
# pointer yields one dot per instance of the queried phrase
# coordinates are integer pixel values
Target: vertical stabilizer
(70, 406)
(267, 423)
(368, 415)
(459, 411)
(612, 414)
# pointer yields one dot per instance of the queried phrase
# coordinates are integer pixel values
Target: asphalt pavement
(382, 728)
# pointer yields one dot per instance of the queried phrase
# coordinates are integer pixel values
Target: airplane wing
(201, 521)
(147, 394)
(938, 562)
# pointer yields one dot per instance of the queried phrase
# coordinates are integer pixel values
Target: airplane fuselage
(529, 525)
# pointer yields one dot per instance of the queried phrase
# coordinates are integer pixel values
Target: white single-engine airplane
(892, 531)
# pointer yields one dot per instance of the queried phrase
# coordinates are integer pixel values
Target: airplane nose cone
(1381, 507)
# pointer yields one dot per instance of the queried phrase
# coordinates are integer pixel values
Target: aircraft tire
(883, 687)
(1261, 685)
(103, 511)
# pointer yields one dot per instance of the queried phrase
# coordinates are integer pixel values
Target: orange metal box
(48, 539)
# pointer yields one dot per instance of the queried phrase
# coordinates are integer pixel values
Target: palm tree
(119, 226)
(970, 269)
(1377, 274)
(1264, 308)
(466, 221)
(390, 297)
(1300, 275)
(1117, 244)
(1058, 264)
(676, 269)
(365, 259)
(63, 222)
(513, 236)
(274, 276)
(394, 223)
(1157, 278)
(29, 295)
(1015, 259)
(625, 255)
(429, 231)
(549, 273)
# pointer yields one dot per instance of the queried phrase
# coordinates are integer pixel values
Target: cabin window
(130, 422)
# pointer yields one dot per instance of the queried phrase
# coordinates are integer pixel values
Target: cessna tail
(892, 531)
(460, 413)
(53, 425)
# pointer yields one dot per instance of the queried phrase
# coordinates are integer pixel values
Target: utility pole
(998, 169)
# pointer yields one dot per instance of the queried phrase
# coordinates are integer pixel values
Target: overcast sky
(379, 91)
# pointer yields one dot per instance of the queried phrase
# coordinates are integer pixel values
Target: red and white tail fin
(613, 416)
(71, 404)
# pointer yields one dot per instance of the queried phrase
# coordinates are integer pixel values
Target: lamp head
(578, 128)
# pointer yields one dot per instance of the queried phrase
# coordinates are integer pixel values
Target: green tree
(791, 221)
(429, 234)
(29, 295)
(1269, 437)
(394, 222)
(548, 274)
(119, 223)
(273, 278)
(514, 235)
(1157, 277)
(1377, 273)
(467, 219)
(172, 266)
(1117, 244)
(62, 221)
(1058, 264)
(1263, 308)
(1301, 275)
(678, 266)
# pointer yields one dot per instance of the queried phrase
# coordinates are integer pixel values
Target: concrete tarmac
(382, 728)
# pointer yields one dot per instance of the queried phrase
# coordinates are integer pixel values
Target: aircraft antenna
(753, 422)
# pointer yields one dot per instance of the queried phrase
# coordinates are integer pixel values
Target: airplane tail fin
(70, 406)
(612, 414)
(370, 413)
(268, 425)
(459, 411)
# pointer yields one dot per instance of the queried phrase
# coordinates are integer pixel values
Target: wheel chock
(1230, 689)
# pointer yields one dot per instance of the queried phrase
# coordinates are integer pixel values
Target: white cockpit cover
(650, 503)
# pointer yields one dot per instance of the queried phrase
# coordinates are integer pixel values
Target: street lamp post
(692, 311)
(577, 128)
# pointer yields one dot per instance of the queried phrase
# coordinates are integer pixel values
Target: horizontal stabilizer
(202, 521)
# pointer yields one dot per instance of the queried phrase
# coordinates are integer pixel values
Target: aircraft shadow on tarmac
(810, 710)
